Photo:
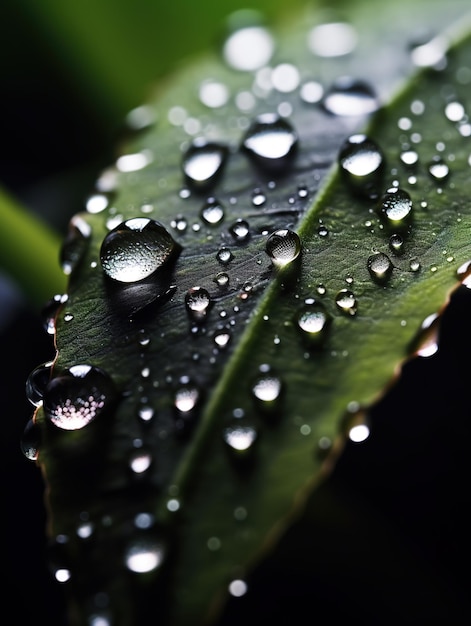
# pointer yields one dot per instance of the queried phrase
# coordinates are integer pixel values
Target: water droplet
(271, 142)
(237, 588)
(140, 461)
(313, 322)
(224, 255)
(283, 247)
(380, 267)
(362, 164)
(454, 111)
(414, 265)
(136, 249)
(198, 303)
(134, 162)
(179, 223)
(438, 169)
(31, 441)
(186, 396)
(395, 208)
(311, 92)
(409, 157)
(285, 77)
(37, 382)
(258, 197)
(332, 39)
(240, 436)
(140, 118)
(77, 396)
(75, 243)
(266, 390)
(350, 97)
(212, 212)
(213, 94)
(50, 311)
(222, 337)
(145, 554)
(430, 54)
(146, 413)
(249, 45)
(97, 203)
(396, 243)
(203, 163)
(222, 279)
(425, 344)
(346, 301)
(240, 231)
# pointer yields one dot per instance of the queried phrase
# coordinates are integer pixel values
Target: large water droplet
(198, 304)
(350, 97)
(37, 382)
(249, 45)
(203, 163)
(137, 248)
(77, 396)
(380, 267)
(395, 208)
(362, 164)
(283, 247)
(313, 322)
(271, 142)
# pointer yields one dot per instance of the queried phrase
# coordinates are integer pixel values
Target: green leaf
(147, 474)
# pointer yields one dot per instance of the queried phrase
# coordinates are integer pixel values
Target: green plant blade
(152, 479)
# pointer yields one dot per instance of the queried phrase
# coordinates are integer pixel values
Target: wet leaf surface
(276, 298)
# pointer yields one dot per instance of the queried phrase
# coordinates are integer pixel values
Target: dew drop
(31, 441)
(430, 54)
(140, 461)
(313, 322)
(77, 396)
(137, 248)
(213, 94)
(222, 279)
(37, 382)
(198, 303)
(362, 164)
(186, 396)
(212, 212)
(146, 413)
(258, 197)
(266, 390)
(414, 265)
(50, 311)
(179, 223)
(74, 244)
(438, 169)
(271, 142)
(346, 301)
(224, 255)
(395, 208)
(239, 436)
(332, 39)
(350, 97)
(250, 44)
(237, 588)
(283, 247)
(203, 163)
(380, 267)
(144, 554)
(240, 230)
(222, 337)
(396, 243)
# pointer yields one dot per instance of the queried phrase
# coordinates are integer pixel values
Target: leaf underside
(230, 510)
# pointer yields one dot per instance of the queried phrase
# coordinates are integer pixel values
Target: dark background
(413, 471)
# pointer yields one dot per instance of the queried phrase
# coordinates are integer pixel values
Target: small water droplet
(203, 163)
(346, 301)
(425, 344)
(237, 588)
(266, 390)
(240, 231)
(285, 77)
(75, 243)
(224, 255)
(77, 396)
(140, 461)
(396, 243)
(212, 212)
(438, 169)
(186, 396)
(283, 247)
(430, 54)
(313, 322)
(50, 311)
(332, 39)
(380, 267)
(395, 208)
(222, 337)
(258, 197)
(136, 249)
(414, 265)
(31, 441)
(222, 279)
(350, 97)
(362, 164)
(213, 94)
(240, 436)
(271, 142)
(198, 304)
(145, 554)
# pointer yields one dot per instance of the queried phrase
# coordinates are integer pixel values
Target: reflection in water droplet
(37, 381)
(332, 39)
(346, 301)
(135, 249)
(31, 441)
(313, 322)
(362, 163)
(350, 97)
(198, 303)
(77, 396)
(380, 267)
(271, 142)
(212, 212)
(283, 247)
(395, 208)
(144, 554)
(203, 163)
(249, 45)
